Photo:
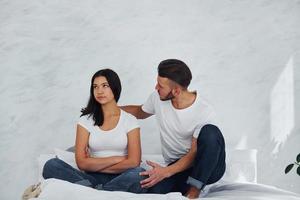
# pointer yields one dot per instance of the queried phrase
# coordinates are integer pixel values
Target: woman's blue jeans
(128, 181)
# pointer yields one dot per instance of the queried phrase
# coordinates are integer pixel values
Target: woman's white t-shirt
(112, 142)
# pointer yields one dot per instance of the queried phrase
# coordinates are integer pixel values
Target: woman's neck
(111, 109)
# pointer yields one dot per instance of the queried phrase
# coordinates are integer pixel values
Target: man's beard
(168, 97)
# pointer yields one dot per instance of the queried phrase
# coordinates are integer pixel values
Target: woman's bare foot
(193, 193)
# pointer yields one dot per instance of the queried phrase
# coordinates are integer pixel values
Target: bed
(239, 182)
(57, 189)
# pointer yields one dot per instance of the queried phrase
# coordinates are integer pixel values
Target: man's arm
(186, 161)
(158, 173)
(136, 110)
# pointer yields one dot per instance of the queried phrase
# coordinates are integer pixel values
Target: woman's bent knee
(136, 169)
(50, 167)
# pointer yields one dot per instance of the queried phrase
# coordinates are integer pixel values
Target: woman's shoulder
(86, 117)
(86, 121)
(129, 120)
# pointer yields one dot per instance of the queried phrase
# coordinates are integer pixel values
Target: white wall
(244, 56)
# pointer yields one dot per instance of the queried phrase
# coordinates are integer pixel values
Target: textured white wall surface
(244, 55)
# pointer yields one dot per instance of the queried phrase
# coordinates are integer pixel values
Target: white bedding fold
(53, 189)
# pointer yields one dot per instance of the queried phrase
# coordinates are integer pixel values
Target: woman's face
(102, 91)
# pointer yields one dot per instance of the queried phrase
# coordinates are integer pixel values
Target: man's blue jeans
(128, 181)
(208, 167)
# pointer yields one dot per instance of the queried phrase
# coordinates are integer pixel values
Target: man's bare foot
(193, 193)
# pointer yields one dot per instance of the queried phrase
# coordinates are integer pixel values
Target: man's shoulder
(202, 105)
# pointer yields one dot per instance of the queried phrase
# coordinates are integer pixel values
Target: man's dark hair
(93, 108)
(175, 70)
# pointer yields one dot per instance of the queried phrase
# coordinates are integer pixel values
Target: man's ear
(176, 91)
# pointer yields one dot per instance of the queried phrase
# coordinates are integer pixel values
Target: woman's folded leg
(128, 181)
(56, 168)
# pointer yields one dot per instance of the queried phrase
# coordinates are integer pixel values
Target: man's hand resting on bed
(156, 174)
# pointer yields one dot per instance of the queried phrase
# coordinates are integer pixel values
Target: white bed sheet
(53, 189)
(249, 191)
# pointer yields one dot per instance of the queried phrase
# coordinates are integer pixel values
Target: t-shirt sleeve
(131, 123)
(84, 122)
(149, 105)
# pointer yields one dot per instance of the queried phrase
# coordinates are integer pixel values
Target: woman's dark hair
(175, 70)
(93, 108)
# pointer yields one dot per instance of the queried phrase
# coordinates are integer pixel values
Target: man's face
(164, 89)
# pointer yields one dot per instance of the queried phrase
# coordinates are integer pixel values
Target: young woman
(107, 148)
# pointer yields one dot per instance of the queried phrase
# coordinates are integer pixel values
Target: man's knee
(209, 134)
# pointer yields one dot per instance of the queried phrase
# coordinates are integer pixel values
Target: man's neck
(184, 100)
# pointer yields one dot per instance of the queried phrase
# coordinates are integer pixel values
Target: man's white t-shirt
(112, 142)
(178, 126)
